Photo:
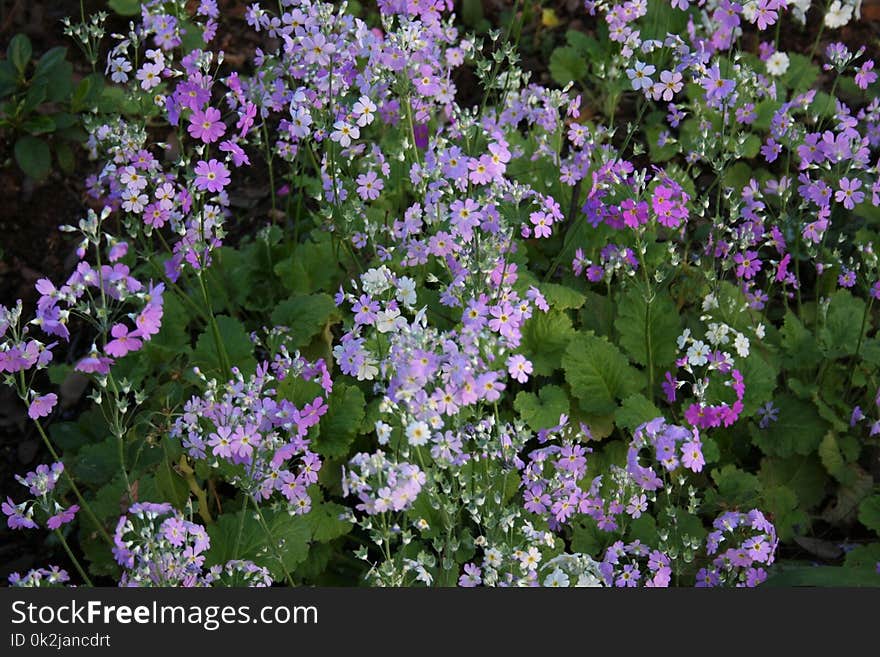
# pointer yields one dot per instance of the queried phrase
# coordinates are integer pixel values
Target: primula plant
(372, 306)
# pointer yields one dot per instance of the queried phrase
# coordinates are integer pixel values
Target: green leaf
(312, 266)
(567, 65)
(801, 73)
(50, 61)
(869, 513)
(305, 315)
(340, 426)
(33, 156)
(545, 338)
(236, 342)
(839, 335)
(802, 474)
(542, 411)
(636, 327)
(97, 463)
(822, 576)
(125, 7)
(598, 373)
(782, 503)
(736, 487)
(801, 350)
(8, 81)
(288, 536)
(832, 459)
(635, 410)
(561, 297)
(19, 52)
(799, 429)
(760, 381)
(325, 522)
(39, 124)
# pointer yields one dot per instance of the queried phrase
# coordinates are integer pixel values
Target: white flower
(375, 281)
(556, 579)
(365, 110)
(492, 558)
(709, 302)
(417, 434)
(367, 370)
(759, 331)
(718, 333)
(406, 291)
(838, 15)
(684, 338)
(383, 432)
(777, 64)
(698, 353)
(750, 11)
(344, 133)
(389, 320)
(530, 560)
(741, 344)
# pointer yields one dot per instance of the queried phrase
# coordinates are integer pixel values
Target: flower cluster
(156, 546)
(41, 484)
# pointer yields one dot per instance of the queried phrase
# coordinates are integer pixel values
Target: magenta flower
(748, 264)
(42, 406)
(866, 75)
(206, 125)
(212, 176)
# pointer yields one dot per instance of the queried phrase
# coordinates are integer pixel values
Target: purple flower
(42, 406)
(212, 176)
(63, 517)
(17, 519)
(848, 193)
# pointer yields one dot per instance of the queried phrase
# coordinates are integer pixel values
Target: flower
(212, 176)
(42, 406)
(206, 125)
(62, 517)
(777, 64)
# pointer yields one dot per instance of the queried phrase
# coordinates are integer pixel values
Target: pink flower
(124, 341)
(206, 125)
(519, 367)
(212, 176)
(42, 406)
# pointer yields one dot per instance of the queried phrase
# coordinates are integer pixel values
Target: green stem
(82, 502)
(76, 563)
(265, 527)
(215, 329)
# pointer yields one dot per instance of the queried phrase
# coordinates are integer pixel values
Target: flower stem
(85, 506)
(76, 563)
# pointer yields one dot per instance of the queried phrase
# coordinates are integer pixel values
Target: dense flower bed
(529, 340)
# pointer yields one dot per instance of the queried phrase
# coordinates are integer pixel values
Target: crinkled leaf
(598, 373)
(799, 429)
(545, 338)
(636, 327)
(635, 410)
(340, 426)
(542, 411)
(567, 65)
(305, 315)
